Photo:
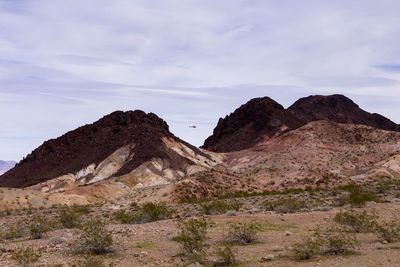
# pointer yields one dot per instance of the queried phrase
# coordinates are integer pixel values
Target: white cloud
(65, 63)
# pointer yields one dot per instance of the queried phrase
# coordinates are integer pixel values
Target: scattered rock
(196, 264)
(277, 248)
(322, 208)
(231, 213)
(56, 241)
(287, 233)
(379, 246)
(268, 258)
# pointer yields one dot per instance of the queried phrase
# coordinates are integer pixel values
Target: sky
(64, 64)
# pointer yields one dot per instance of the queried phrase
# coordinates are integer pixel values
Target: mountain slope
(113, 146)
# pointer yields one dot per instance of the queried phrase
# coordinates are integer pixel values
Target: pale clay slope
(101, 184)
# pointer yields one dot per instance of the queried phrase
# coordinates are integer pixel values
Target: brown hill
(126, 139)
(253, 122)
(261, 118)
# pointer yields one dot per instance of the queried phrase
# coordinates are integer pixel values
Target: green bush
(38, 226)
(359, 222)
(243, 233)
(95, 237)
(192, 236)
(286, 205)
(26, 256)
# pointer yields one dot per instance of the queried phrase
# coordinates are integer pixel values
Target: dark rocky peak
(91, 144)
(250, 124)
(338, 108)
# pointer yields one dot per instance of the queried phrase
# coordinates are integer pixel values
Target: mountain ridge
(337, 108)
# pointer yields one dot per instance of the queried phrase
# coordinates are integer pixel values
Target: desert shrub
(38, 226)
(125, 217)
(95, 237)
(152, 212)
(359, 199)
(220, 206)
(335, 241)
(357, 196)
(329, 241)
(68, 217)
(306, 249)
(285, 205)
(89, 261)
(148, 212)
(243, 233)
(389, 231)
(226, 256)
(26, 256)
(81, 209)
(15, 230)
(192, 236)
(215, 207)
(359, 222)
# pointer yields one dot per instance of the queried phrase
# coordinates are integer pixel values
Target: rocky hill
(262, 118)
(320, 153)
(253, 122)
(338, 108)
(113, 146)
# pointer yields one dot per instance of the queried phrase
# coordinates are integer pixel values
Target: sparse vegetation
(389, 231)
(26, 257)
(220, 206)
(243, 233)
(329, 241)
(359, 222)
(95, 238)
(192, 236)
(148, 212)
(89, 261)
(226, 256)
(38, 226)
(69, 217)
(285, 205)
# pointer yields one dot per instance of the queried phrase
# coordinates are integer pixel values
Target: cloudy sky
(67, 63)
